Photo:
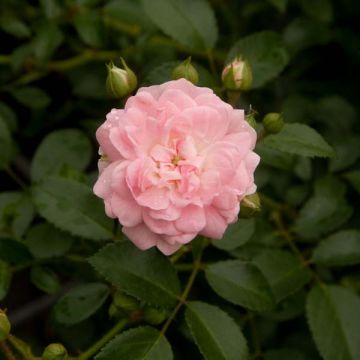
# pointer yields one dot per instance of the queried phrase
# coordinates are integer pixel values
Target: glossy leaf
(284, 272)
(207, 324)
(32, 97)
(300, 139)
(339, 249)
(334, 318)
(71, 206)
(240, 283)
(63, 147)
(44, 241)
(190, 22)
(80, 303)
(153, 346)
(236, 234)
(45, 279)
(146, 275)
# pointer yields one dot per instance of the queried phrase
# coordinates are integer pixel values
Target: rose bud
(187, 71)
(54, 351)
(4, 326)
(250, 206)
(125, 302)
(154, 316)
(120, 82)
(237, 75)
(273, 123)
(250, 118)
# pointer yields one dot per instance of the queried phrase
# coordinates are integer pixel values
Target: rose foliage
(225, 219)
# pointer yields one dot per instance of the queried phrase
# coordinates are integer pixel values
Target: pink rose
(177, 162)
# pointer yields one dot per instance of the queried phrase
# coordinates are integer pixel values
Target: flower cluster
(176, 162)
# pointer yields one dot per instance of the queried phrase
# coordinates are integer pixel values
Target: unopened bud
(4, 326)
(154, 316)
(250, 118)
(187, 71)
(120, 82)
(250, 206)
(273, 123)
(237, 75)
(125, 302)
(54, 351)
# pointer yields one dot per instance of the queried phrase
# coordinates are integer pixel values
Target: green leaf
(240, 283)
(304, 33)
(284, 272)
(63, 147)
(146, 275)
(236, 234)
(9, 117)
(279, 4)
(190, 22)
(90, 28)
(216, 333)
(45, 279)
(48, 38)
(5, 279)
(80, 303)
(347, 153)
(266, 53)
(10, 24)
(13, 252)
(275, 158)
(16, 213)
(340, 249)
(51, 8)
(299, 139)
(44, 241)
(354, 178)
(320, 10)
(141, 343)
(6, 144)
(31, 97)
(71, 206)
(285, 354)
(333, 315)
(325, 211)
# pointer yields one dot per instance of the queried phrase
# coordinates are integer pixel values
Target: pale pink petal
(180, 239)
(176, 97)
(126, 210)
(215, 224)
(171, 213)
(166, 248)
(154, 198)
(159, 226)
(102, 187)
(141, 236)
(192, 219)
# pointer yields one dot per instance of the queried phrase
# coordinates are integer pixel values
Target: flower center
(175, 160)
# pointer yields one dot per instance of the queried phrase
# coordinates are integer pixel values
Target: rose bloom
(176, 163)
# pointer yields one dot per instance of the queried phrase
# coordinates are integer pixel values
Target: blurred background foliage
(305, 58)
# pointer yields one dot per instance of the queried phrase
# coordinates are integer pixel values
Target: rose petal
(141, 236)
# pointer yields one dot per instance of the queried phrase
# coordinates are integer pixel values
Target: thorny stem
(104, 340)
(290, 240)
(182, 300)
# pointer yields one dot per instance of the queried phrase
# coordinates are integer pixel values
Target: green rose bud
(237, 75)
(120, 82)
(187, 71)
(250, 118)
(54, 351)
(154, 316)
(250, 206)
(125, 302)
(5, 326)
(273, 123)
